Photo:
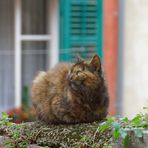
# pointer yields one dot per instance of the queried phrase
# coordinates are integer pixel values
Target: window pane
(34, 19)
(6, 55)
(34, 59)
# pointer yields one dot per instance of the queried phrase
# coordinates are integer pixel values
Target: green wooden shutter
(80, 28)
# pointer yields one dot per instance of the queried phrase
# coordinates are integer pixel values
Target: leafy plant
(121, 126)
(5, 120)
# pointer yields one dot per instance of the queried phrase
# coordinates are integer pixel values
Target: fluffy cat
(71, 93)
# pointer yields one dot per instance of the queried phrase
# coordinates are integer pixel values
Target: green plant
(14, 133)
(100, 137)
(5, 120)
(121, 126)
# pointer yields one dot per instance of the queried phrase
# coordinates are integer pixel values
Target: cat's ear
(95, 62)
(79, 59)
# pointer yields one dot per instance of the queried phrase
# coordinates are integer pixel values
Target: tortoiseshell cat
(71, 93)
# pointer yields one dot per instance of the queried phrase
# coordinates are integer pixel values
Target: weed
(121, 126)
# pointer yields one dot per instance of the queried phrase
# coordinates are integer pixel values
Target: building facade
(35, 35)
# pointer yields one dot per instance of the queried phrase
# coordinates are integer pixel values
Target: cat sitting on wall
(71, 93)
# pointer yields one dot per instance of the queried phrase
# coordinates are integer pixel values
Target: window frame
(53, 48)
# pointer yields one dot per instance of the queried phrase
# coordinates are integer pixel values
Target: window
(32, 43)
(26, 30)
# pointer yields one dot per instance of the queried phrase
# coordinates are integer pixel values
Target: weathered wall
(135, 59)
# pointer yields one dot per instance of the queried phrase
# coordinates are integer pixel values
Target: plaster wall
(135, 58)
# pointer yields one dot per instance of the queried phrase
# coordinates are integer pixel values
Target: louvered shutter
(80, 28)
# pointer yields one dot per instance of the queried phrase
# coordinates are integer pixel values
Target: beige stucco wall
(135, 84)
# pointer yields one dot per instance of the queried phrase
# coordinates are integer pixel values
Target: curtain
(6, 54)
(34, 57)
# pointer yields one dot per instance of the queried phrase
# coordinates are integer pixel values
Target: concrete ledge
(3, 139)
(134, 142)
(64, 135)
(85, 135)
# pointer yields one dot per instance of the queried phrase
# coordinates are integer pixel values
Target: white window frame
(53, 47)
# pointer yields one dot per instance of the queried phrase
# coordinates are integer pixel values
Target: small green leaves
(124, 120)
(4, 115)
(123, 133)
(116, 134)
(126, 141)
(138, 132)
(116, 131)
(136, 121)
(105, 125)
(120, 126)
(119, 131)
(5, 120)
(111, 119)
(16, 134)
(107, 146)
(116, 125)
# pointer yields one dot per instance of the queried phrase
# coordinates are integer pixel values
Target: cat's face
(84, 75)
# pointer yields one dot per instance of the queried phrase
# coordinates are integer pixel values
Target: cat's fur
(71, 93)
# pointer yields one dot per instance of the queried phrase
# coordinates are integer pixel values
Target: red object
(19, 115)
(110, 49)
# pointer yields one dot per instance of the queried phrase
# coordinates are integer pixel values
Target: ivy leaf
(4, 115)
(123, 133)
(9, 124)
(124, 119)
(110, 120)
(116, 134)
(126, 141)
(138, 132)
(116, 125)
(103, 127)
(136, 121)
(107, 124)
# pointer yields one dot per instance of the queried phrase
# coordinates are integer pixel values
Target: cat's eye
(78, 72)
